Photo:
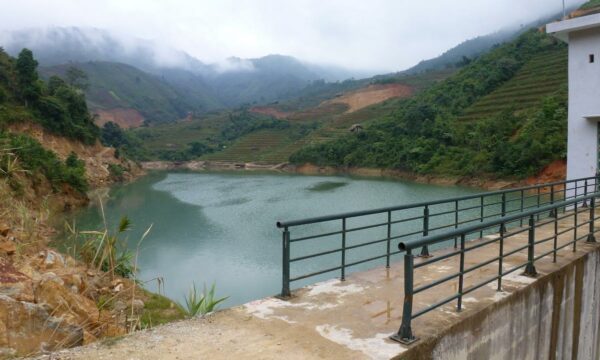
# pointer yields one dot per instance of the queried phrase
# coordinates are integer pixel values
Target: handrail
(282, 224)
(403, 223)
(433, 239)
(405, 334)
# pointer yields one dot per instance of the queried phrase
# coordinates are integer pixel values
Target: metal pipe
(425, 249)
(389, 239)
(282, 224)
(591, 238)
(343, 277)
(436, 238)
(405, 334)
(530, 268)
(461, 270)
(285, 288)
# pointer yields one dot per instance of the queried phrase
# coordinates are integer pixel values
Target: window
(591, 58)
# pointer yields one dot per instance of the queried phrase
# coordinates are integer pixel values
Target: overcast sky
(377, 35)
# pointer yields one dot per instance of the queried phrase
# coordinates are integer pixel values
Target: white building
(583, 36)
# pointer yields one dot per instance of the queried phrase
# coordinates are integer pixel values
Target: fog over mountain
(378, 36)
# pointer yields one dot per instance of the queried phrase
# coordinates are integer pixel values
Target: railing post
(481, 216)
(462, 269)
(343, 277)
(530, 268)
(522, 201)
(539, 195)
(389, 235)
(555, 235)
(575, 227)
(425, 249)
(553, 212)
(591, 238)
(405, 335)
(455, 220)
(501, 256)
(585, 192)
(503, 213)
(285, 289)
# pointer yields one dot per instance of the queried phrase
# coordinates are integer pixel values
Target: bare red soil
(125, 118)
(555, 171)
(266, 110)
(371, 95)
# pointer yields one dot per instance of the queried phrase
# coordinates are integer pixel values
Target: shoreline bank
(487, 183)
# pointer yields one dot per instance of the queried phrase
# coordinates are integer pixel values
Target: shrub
(200, 303)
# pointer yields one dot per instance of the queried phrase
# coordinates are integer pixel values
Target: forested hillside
(110, 85)
(432, 133)
(57, 107)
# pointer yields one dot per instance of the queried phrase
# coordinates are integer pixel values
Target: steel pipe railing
(405, 334)
(406, 222)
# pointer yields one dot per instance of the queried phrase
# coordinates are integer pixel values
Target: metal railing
(505, 228)
(337, 242)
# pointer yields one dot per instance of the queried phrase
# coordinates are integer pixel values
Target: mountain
(204, 87)
(503, 114)
(464, 52)
(130, 97)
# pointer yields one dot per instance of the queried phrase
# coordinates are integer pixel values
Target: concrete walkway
(333, 319)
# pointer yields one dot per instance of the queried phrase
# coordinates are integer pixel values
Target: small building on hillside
(583, 36)
(356, 128)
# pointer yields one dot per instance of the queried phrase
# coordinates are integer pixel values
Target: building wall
(584, 100)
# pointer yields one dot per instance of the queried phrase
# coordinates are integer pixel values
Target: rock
(52, 259)
(63, 303)
(25, 326)
(14, 283)
(7, 246)
(138, 306)
(88, 338)
(50, 276)
(119, 306)
(7, 353)
(4, 230)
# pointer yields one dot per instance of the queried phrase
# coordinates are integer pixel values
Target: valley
(95, 129)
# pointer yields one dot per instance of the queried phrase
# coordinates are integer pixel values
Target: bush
(35, 159)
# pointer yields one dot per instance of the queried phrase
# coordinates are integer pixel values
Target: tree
(77, 78)
(27, 76)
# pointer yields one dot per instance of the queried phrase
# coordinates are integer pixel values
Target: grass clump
(197, 303)
(107, 251)
(159, 310)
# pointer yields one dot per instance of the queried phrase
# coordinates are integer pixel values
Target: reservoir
(220, 227)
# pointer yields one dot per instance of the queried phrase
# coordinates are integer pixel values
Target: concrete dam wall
(556, 317)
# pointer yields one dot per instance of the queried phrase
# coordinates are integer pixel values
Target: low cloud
(378, 35)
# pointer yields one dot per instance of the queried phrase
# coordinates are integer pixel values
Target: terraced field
(542, 76)
(309, 126)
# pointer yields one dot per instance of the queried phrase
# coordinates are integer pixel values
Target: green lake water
(220, 227)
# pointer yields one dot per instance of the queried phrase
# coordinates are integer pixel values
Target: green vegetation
(159, 310)
(19, 153)
(590, 4)
(425, 134)
(57, 106)
(197, 303)
(107, 251)
(110, 85)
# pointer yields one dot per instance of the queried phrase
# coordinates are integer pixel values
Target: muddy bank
(554, 173)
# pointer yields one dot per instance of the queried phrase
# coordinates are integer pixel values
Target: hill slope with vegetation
(50, 156)
(432, 133)
(109, 85)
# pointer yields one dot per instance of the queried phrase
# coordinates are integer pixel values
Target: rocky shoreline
(487, 183)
